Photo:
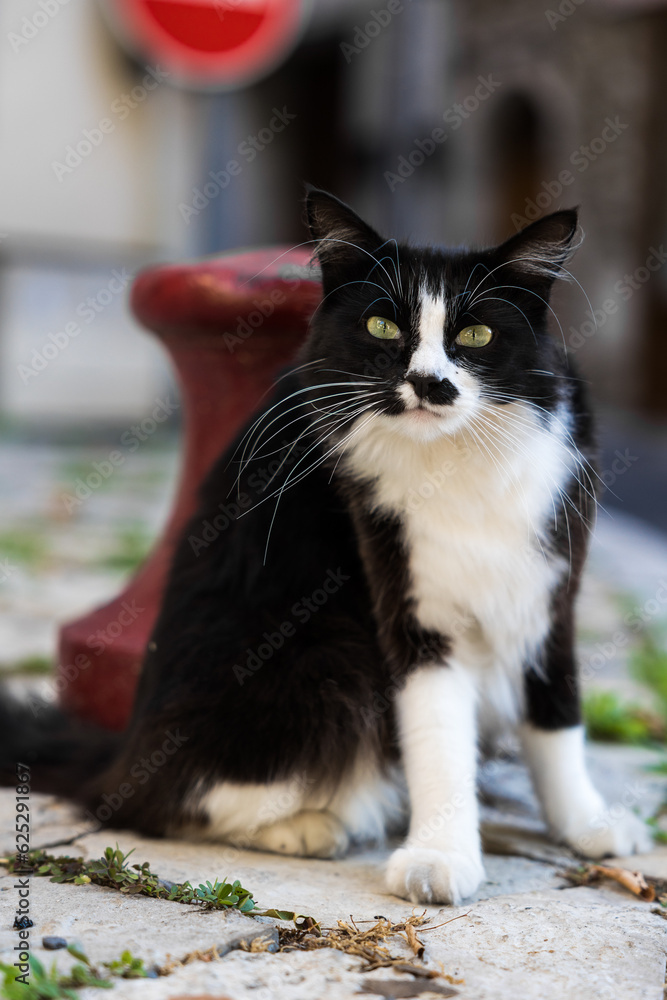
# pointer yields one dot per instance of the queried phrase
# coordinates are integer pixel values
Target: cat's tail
(64, 755)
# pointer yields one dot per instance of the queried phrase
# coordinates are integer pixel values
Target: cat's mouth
(423, 420)
(423, 413)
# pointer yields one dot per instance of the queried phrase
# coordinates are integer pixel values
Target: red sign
(209, 44)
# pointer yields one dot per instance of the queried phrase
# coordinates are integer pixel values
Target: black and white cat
(413, 507)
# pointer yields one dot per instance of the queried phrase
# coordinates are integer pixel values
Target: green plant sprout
(112, 870)
(49, 984)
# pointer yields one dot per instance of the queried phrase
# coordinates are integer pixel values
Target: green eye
(381, 328)
(474, 336)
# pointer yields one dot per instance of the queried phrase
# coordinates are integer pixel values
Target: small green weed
(112, 870)
(610, 719)
(31, 665)
(132, 546)
(23, 545)
(659, 834)
(127, 967)
(649, 666)
(77, 468)
(44, 984)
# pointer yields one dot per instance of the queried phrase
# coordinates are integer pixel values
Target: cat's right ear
(344, 241)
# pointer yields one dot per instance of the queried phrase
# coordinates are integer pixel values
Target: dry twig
(369, 945)
(644, 886)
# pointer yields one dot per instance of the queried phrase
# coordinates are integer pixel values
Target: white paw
(611, 836)
(425, 875)
(310, 834)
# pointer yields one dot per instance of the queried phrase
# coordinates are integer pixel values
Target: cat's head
(428, 338)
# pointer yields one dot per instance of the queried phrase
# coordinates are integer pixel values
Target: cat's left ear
(344, 241)
(542, 249)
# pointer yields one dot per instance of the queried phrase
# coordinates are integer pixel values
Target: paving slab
(525, 933)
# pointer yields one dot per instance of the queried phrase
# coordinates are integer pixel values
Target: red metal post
(230, 324)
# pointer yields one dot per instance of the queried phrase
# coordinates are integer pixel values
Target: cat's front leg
(574, 810)
(553, 745)
(441, 860)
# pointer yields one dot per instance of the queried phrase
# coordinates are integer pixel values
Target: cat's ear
(542, 249)
(344, 241)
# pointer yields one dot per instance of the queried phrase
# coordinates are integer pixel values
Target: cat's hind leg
(272, 816)
(369, 802)
(299, 818)
(311, 833)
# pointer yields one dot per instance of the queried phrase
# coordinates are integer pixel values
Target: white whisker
(302, 475)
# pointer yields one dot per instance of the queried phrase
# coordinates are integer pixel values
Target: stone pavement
(65, 547)
(526, 933)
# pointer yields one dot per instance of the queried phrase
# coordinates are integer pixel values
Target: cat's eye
(475, 336)
(382, 328)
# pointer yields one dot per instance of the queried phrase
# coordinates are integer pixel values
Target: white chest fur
(474, 511)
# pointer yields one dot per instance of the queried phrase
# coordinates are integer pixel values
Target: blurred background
(535, 106)
(443, 121)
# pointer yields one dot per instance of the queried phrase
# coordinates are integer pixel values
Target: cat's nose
(432, 388)
(422, 384)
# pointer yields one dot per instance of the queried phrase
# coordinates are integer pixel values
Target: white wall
(69, 218)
